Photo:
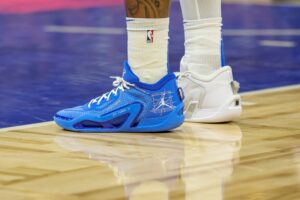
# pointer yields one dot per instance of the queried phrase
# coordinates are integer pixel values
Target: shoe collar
(129, 76)
(210, 76)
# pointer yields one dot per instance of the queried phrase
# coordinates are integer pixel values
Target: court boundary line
(15, 128)
(122, 31)
(247, 3)
(262, 4)
(250, 93)
(86, 30)
(271, 90)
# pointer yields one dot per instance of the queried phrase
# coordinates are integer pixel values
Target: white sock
(203, 35)
(148, 48)
(200, 9)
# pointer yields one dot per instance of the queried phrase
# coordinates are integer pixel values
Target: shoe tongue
(128, 74)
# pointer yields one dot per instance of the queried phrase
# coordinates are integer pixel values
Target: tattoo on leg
(147, 8)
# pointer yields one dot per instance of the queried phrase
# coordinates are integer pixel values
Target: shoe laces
(120, 85)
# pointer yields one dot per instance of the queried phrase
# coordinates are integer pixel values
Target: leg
(147, 8)
(148, 28)
(210, 92)
(200, 9)
(202, 26)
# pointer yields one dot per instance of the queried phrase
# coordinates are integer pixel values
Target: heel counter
(219, 89)
(178, 95)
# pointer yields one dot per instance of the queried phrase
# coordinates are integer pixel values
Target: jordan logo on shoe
(162, 102)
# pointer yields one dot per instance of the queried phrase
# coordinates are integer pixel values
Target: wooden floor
(256, 158)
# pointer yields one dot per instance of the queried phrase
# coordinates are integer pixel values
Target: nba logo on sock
(150, 36)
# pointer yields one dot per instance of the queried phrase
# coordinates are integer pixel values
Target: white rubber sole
(231, 110)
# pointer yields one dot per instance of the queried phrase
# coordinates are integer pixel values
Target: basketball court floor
(60, 53)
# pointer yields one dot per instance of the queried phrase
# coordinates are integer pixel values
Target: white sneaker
(212, 98)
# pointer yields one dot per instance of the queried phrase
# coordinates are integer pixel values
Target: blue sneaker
(132, 106)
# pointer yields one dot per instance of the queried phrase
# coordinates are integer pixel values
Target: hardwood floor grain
(255, 158)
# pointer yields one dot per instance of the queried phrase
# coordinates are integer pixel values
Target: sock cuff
(147, 23)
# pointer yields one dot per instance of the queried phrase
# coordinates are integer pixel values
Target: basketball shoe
(132, 106)
(212, 98)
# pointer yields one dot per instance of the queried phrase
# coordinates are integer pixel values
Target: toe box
(70, 113)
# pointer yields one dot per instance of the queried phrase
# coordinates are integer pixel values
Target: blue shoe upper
(130, 106)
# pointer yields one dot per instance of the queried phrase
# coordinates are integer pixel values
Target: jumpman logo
(162, 102)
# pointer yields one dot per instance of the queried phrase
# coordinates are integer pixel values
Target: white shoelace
(119, 83)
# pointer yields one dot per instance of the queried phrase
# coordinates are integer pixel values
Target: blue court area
(58, 59)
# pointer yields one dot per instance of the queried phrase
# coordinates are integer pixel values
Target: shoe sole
(158, 124)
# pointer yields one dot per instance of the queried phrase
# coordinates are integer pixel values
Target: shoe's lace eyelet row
(119, 83)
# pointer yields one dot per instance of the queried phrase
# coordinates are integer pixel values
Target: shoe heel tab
(227, 67)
